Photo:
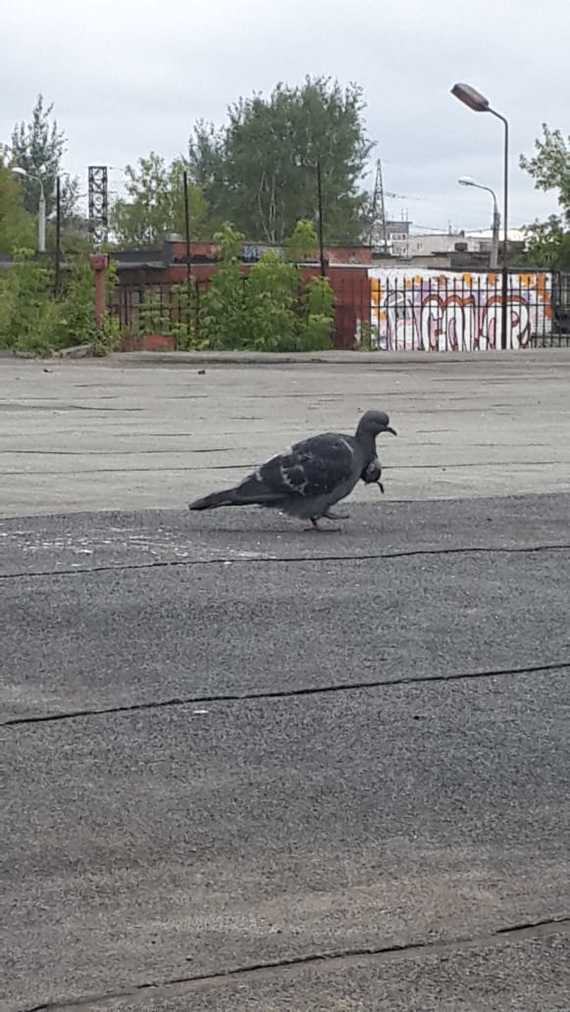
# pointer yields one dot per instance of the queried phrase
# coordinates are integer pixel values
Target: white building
(431, 243)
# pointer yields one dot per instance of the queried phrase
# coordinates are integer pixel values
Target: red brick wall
(335, 254)
(350, 285)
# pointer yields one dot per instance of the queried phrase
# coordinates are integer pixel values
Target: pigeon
(307, 479)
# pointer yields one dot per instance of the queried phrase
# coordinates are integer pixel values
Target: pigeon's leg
(336, 516)
(315, 526)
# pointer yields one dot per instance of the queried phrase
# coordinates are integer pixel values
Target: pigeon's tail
(251, 492)
(211, 502)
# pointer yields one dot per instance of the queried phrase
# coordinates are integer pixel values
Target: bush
(32, 319)
(28, 315)
(264, 311)
(302, 245)
(174, 313)
(271, 297)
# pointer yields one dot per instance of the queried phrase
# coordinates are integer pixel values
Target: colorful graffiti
(446, 311)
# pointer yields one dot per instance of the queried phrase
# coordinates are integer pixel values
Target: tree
(549, 241)
(224, 318)
(38, 148)
(260, 168)
(302, 244)
(548, 245)
(156, 203)
(550, 167)
(17, 227)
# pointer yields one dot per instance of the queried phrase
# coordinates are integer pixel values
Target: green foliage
(17, 227)
(223, 311)
(302, 244)
(549, 241)
(38, 147)
(265, 310)
(319, 309)
(28, 318)
(78, 304)
(271, 294)
(319, 297)
(260, 168)
(368, 337)
(229, 239)
(32, 320)
(548, 245)
(316, 334)
(156, 203)
(107, 338)
(550, 167)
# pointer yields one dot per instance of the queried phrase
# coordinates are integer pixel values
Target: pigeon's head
(373, 423)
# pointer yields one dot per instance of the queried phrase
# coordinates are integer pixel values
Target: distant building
(397, 233)
(449, 249)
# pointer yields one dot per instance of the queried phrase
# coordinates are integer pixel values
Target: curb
(342, 358)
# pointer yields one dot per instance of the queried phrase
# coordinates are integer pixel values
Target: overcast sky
(128, 76)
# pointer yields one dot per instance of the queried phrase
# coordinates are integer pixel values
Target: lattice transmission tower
(99, 203)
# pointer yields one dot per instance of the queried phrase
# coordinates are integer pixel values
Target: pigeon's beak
(390, 429)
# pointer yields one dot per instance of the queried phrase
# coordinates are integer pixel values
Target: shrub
(32, 319)
(271, 297)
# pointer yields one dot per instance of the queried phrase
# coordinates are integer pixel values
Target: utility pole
(57, 281)
(321, 228)
(378, 228)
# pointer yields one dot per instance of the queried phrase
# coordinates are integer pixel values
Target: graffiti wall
(431, 310)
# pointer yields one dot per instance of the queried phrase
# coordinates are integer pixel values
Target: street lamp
(467, 181)
(476, 101)
(18, 171)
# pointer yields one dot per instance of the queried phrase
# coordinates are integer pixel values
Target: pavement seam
(384, 953)
(238, 467)
(283, 694)
(236, 560)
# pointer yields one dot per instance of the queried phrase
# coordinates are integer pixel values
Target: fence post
(99, 265)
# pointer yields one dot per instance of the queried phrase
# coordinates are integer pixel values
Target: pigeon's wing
(313, 467)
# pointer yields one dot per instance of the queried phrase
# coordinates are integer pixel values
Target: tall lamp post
(188, 249)
(57, 281)
(321, 224)
(18, 171)
(467, 181)
(476, 101)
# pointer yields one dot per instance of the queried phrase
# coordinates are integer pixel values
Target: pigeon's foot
(321, 530)
(336, 516)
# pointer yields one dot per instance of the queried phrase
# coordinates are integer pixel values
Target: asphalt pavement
(87, 435)
(251, 767)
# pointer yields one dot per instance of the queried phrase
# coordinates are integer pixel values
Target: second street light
(467, 181)
(41, 206)
(476, 101)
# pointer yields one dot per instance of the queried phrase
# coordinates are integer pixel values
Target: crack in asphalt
(333, 959)
(238, 466)
(107, 453)
(310, 690)
(236, 560)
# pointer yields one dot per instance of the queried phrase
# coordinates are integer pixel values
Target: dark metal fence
(445, 311)
(561, 309)
(397, 309)
(157, 308)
